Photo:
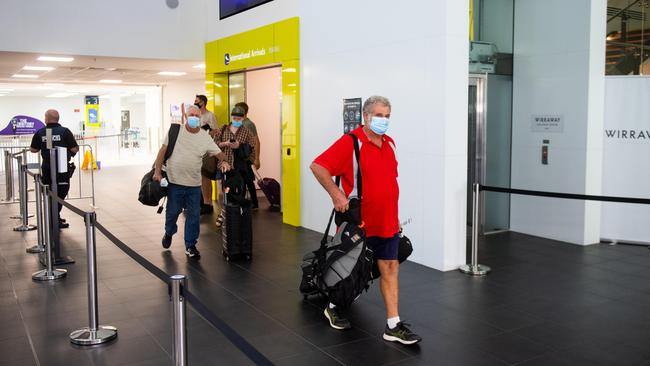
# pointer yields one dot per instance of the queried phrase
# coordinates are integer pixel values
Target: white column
(559, 70)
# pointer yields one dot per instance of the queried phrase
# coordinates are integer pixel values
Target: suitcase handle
(256, 173)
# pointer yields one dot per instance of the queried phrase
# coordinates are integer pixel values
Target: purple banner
(22, 125)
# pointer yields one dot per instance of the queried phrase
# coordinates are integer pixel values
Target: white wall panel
(419, 61)
(558, 70)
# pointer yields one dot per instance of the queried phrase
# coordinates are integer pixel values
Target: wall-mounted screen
(231, 7)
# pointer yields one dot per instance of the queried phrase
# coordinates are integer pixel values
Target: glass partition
(628, 39)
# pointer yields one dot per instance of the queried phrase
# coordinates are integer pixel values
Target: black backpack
(341, 268)
(150, 190)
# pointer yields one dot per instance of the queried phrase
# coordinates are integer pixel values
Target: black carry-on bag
(341, 268)
(151, 192)
(237, 229)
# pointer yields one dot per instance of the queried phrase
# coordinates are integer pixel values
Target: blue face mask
(379, 125)
(236, 124)
(193, 121)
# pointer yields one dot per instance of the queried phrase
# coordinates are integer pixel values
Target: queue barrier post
(93, 334)
(49, 273)
(9, 178)
(22, 187)
(40, 242)
(179, 322)
(474, 268)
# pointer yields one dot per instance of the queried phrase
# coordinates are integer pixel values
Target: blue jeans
(188, 198)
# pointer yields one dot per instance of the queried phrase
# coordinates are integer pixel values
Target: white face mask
(379, 125)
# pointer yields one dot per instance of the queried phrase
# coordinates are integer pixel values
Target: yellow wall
(273, 44)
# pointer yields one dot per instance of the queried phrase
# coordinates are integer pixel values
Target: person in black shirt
(62, 137)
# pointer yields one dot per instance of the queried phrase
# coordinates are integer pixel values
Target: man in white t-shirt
(184, 175)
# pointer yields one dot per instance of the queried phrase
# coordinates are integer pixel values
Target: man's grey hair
(192, 107)
(375, 99)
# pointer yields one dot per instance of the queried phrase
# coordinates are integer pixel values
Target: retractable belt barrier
(585, 197)
(476, 269)
(179, 293)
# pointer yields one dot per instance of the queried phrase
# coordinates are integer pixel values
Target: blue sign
(92, 115)
(22, 125)
(226, 58)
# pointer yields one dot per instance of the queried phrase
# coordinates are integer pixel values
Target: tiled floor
(546, 303)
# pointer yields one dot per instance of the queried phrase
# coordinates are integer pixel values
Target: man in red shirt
(379, 207)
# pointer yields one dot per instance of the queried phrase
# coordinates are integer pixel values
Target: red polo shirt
(378, 176)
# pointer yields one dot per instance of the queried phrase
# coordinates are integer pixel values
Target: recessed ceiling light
(110, 68)
(38, 68)
(53, 84)
(172, 73)
(199, 66)
(24, 76)
(55, 59)
(110, 81)
(5, 90)
(60, 95)
(43, 87)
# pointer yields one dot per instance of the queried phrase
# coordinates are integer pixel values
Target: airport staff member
(378, 166)
(61, 137)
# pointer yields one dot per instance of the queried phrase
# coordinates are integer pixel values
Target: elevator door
(489, 147)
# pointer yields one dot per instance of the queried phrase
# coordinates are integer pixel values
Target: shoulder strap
(172, 135)
(356, 191)
(357, 184)
(329, 222)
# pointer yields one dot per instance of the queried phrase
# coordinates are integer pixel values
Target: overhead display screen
(231, 7)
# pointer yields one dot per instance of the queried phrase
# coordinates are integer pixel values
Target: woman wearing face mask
(238, 145)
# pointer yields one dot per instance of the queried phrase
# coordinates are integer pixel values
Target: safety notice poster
(351, 114)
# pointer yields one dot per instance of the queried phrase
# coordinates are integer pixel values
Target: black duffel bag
(150, 190)
(404, 250)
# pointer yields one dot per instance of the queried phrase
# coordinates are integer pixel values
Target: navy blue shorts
(384, 248)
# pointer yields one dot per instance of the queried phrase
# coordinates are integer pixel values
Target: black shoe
(63, 224)
(192, 252)
(206, 209)
(166, 241)
(336, 320)
(402, 334)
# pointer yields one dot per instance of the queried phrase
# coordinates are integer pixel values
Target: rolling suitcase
(237, 229)
(271, 189)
